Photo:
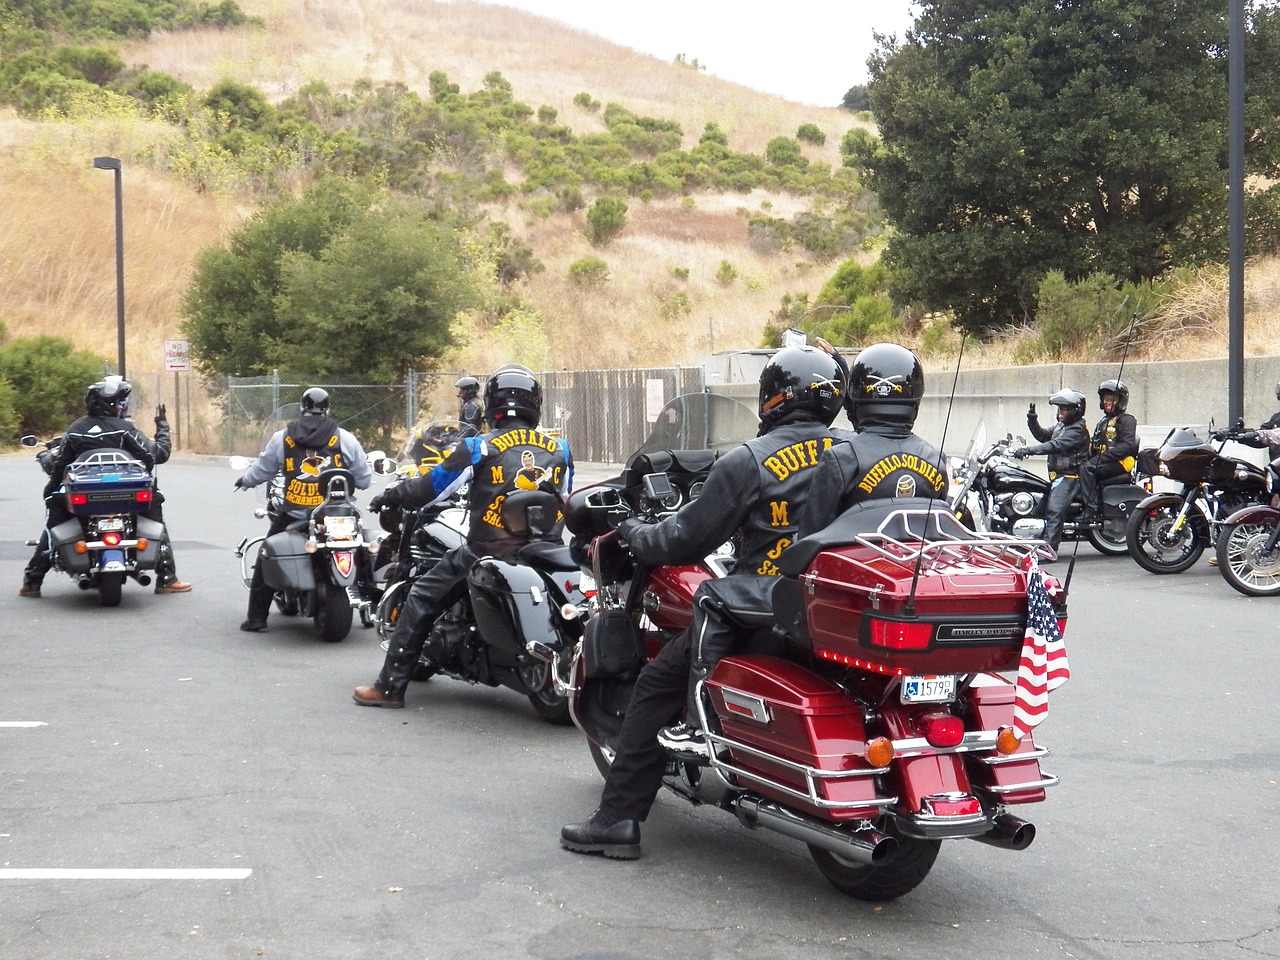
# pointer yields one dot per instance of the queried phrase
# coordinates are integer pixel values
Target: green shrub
(605, 220)
(726, 274)
(49, 377)
(547, 114)
(680, 273)
(810, 133)
(589, 272)
(784, 152)
(676, 306)
(584, 101)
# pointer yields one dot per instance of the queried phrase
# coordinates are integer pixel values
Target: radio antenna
(909, 606)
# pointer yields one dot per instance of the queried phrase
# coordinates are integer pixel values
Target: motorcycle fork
(1187, 503)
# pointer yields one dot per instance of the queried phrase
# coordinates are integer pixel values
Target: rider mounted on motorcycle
(104, 426)
(1113, 448)
(512, 457)
(1067, 446)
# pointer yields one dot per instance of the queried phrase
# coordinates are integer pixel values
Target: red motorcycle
(869, 717)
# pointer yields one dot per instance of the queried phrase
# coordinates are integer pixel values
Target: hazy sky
(809, 51)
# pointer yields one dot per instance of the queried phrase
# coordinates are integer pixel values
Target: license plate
(107, 524)
(340, 528)
(587, 584)
(931, 689)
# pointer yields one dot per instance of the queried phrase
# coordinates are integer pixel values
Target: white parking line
(144, 873)
(23, 723)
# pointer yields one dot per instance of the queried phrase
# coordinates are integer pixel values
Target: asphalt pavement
(171, 787)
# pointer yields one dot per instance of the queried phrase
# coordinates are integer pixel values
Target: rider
(104, 427)
(293, 452)
(469, 410)
(1067, 444)
(1273, 449)
(491, 463)
(884, 458)
(1113, 448)
(753, 493)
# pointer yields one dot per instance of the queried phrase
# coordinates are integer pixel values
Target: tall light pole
(111, 163)
(1235, 210)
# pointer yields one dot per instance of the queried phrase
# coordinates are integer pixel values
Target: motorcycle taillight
(899, 634)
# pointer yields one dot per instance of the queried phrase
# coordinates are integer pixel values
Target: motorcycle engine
(1023, 504)
(1028, 528)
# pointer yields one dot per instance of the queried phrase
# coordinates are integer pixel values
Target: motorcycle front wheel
(899, 876)
(1243, 560)
(1158, 544)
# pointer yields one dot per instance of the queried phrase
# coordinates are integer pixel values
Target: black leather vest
(519, 459)
(309, 438)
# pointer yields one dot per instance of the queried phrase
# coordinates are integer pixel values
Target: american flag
(1044, 656)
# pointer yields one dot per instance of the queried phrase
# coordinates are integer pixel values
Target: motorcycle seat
(546, 555)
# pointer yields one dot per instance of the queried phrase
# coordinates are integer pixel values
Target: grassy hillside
(58, 254)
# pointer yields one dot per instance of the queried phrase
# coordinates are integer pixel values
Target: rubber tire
(1234, 542)
(1191, 538)
(287, 604)
(546, 702)
(333, 613)
(602, 757)
(899, 876)
(110, 589)
(1113, 545)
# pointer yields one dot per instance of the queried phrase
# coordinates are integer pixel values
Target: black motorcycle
(519, 612)
(1168, 532)
(990, 493)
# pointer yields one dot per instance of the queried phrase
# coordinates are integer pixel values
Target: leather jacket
(1067, 445)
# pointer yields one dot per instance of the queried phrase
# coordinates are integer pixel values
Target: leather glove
(628, 526)
(1251, 437)
(1031, 412)
(1017, 452)
(239, 484)
(377, 503)
(161, 419)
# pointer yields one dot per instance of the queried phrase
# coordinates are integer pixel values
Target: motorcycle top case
(882, 605)
(794, 736)
(285, 563)
(118, 487)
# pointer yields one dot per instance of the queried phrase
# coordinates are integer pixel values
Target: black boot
(598, 834)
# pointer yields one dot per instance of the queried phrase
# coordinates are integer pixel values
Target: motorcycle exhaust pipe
(1009, 832)
(867, 846)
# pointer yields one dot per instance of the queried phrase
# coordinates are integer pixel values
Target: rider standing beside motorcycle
(493, 464)
(313, 434)
(103, 427)
(753, 493)
(1067, 445)
(469, 410)
(1113, 448)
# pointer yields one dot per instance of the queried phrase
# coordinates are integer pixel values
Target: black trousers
(722, 610)
(431, 594)
(1092, 472)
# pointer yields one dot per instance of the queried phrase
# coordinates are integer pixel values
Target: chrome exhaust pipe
(1009, 832)
(866, 846)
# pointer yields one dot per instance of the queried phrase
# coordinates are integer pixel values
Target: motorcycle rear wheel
(899, 876)
(110, 587)
(549, 705)
(1156, 547)
(332, 617)
(1109, 538)
(1242, 562)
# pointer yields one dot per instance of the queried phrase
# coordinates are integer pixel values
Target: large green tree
(345, 281)
(1022, 136)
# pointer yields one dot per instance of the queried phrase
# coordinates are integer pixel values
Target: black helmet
(800, 378)
(469, 386)
(1119, 389)
(108, 397)
(315, 400)
(513, 392)
(886, 384)
(1070, 400)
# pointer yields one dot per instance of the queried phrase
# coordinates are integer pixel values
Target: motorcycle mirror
(29, 441)
(385, 465)
(238, 463)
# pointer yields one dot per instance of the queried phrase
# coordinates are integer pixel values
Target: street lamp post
(111, 163)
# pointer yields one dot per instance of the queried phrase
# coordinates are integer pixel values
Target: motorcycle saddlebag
(153, 531)
(793, 736)
(64, 537)
(285, 563)
(990, 700)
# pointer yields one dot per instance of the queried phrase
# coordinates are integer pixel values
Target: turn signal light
(880, 752)
(1007, 741)
(143, 543)
(311, 546)
(898, 635)
(81, 547)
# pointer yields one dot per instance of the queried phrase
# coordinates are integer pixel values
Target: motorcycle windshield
(431, 440)
(1182, 440)
(700, 421)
